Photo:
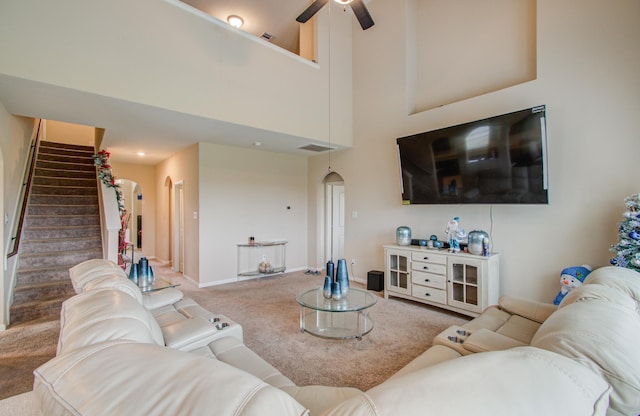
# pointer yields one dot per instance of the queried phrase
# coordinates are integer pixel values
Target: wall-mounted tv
(498, 160)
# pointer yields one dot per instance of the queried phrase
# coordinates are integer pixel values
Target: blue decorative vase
(326, 289)
(133, 273)
(403, 236)
(330, 270)
(342, 277)
(143, 265)
(336, 293)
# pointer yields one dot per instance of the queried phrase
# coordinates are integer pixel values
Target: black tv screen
(498, 160)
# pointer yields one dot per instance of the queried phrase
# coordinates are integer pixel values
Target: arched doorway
(334, 214)
(132, 195)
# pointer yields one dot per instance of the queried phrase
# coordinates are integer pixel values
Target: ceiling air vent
(316, 148)
(266, 36)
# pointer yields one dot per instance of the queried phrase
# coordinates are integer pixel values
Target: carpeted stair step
(81, 161)
(63, 199)
(67, 190)
(34, 233)
(38, 309)
(61, 220)
(62, 181)
(78, 147)
(69, 259)
(60, 165)
(26, 276)
(66, 173)
(46, 290)
(46, 209)
(54, 245)
(46, 150)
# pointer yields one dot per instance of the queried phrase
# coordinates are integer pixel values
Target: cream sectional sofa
(120, 352)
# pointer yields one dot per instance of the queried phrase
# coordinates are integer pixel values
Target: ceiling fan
(358, 7)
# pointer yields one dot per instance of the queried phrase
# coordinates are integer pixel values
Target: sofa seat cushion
(603, 336)
(434, 355)
(519, 328)
(102, 315)
(125, 378)
(232, 351)
(521, 381)
(319, 399)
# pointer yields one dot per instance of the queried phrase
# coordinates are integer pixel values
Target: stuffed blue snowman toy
(570, 278)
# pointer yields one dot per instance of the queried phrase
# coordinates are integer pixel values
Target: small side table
(336, 319)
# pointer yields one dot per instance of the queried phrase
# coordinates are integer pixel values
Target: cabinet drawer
(428, 279)
(429, 267)
(429, 293)
(429, 257)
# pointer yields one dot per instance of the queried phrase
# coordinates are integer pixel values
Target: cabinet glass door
(398, 272)
(463, 284)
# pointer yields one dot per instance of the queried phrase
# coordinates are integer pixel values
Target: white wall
(143, 175)
(243, 193)
(16, 134)
(181, 167)
(59, 132)
(167, 55)
(587, 75)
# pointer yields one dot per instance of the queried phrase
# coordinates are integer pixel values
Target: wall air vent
(267, 36)
(316, 148)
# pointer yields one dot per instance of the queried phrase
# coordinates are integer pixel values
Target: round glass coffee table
(336, 319)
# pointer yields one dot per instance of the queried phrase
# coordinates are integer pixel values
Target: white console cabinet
(461, 282)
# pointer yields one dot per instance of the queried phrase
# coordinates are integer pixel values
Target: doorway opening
(334, 217)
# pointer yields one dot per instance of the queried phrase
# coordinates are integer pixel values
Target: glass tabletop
(356, 300)
(157, 284)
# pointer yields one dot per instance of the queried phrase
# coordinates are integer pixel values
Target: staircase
(61, 229)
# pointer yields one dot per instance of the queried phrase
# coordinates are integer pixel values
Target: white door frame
(178, 227)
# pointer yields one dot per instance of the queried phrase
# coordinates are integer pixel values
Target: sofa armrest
(484, 340)
(160, 298)
(189, 334)
(530, 309)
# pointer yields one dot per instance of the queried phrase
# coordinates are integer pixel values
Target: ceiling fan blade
(362, 14)
(311, 10)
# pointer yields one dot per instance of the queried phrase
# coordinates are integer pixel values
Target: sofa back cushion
(115, 281)
(522, 381)
(626, 281)
(125, 378)
(102, 315)
(601, 332)
(88, 270)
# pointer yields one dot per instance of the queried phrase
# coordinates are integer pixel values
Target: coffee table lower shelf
(335, 325)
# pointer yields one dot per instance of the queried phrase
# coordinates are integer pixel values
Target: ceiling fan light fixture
(235, 21)
(343, 2)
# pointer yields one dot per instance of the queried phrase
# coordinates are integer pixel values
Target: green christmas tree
(628, 247)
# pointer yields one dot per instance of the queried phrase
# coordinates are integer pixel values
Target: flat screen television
(498, 160)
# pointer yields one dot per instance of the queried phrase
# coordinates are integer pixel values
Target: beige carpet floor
(267, 310)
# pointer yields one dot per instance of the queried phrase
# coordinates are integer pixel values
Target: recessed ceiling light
(343, 2)
(140, 154)
(235, 21)
(256, 144)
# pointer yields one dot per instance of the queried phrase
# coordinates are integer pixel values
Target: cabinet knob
(425, 268)
(425, 258)
(427, 280)
(427, 294)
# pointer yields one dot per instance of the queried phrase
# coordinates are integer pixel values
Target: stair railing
(26, 189)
